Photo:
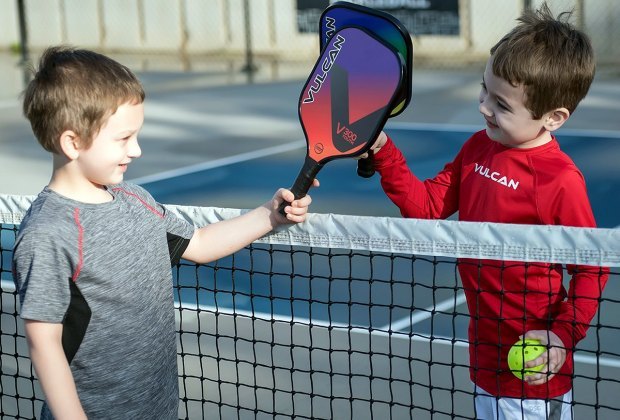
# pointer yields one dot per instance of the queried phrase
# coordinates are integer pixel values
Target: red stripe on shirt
(76, 217)
(144, 203)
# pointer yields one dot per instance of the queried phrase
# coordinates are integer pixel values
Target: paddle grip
(366, 167)
(303, 182)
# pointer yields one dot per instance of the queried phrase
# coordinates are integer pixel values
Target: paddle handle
(303, 182)
(366, 166)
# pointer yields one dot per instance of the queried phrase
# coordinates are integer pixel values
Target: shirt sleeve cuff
(384, 155)
(565, 334)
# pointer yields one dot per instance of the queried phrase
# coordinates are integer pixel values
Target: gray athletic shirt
(103, 270)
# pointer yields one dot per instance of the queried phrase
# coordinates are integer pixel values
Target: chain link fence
(244, 33)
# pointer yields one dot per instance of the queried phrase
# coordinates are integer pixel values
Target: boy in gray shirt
(92, 259)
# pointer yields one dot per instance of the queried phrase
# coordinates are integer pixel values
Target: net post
(249, 66)
(23, 41)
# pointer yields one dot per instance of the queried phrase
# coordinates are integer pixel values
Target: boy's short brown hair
(551, 59)
(78, 90)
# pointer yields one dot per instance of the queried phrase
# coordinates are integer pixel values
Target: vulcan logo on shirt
(496, 176)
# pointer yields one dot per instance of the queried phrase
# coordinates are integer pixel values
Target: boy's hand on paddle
(379, 143)
(297, 210)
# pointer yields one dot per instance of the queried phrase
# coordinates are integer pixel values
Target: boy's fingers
(300, 206)
(541, 360)
(287, 195)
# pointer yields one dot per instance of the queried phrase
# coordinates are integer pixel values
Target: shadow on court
(297, 371)
(319, 372)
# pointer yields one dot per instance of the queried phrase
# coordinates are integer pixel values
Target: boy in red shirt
(514, 172)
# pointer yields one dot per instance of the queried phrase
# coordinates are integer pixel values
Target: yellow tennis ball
(522, 352)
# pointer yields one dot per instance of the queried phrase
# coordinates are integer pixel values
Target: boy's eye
(502, 106)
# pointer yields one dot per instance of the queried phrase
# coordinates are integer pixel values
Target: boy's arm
(571, 207)
(435, 198)
(571, 324)
(53, 372)
(576, 312)
(221, 239)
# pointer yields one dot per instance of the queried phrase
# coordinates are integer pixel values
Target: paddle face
(383, 26)
(349, 94)
(346, 100)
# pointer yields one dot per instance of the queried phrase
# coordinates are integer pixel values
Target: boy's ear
(70, 144)
(556, 118)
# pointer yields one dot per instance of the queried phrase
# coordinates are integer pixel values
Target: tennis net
(341, 317)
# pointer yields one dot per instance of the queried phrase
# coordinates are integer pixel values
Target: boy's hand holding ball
(522, 352)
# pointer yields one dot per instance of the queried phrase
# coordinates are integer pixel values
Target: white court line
(7, 285)
(588, 360)
(265, 316)
(242, 157)
(601, 361)
(420, 316)
(614, 134)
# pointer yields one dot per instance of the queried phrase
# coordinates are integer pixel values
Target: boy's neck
(541, 140)
(544, 138)
(78, 188)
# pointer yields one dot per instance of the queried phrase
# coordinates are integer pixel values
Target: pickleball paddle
(386, 28)
(346, 100)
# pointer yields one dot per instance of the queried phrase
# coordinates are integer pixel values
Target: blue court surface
(249, 183)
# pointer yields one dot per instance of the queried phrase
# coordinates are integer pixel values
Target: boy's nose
(484, 110)
(134, 149)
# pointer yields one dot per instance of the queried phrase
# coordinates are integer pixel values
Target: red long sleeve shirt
(488, 182)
